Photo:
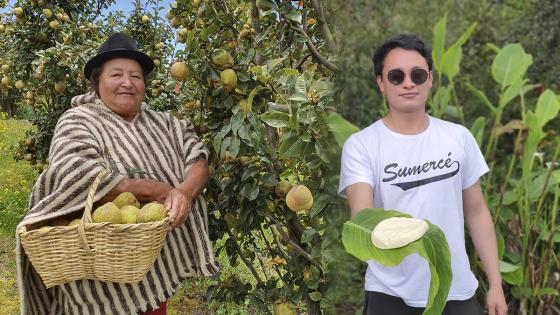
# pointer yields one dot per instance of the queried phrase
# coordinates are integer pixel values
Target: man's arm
(483, 235)
(360, 196)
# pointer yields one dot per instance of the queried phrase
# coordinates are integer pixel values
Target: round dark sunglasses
(418, 76)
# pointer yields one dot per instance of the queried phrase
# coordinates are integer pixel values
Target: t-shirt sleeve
(475, 165)
(355, 165)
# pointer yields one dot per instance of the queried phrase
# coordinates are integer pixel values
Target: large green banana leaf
(356, 237)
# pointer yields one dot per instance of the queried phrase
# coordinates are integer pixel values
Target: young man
(429, 168)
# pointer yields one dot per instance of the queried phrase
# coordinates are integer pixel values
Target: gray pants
(378, 303)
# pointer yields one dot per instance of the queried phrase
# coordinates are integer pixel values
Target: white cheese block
(397, 232)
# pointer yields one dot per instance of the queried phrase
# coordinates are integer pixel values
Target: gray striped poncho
(88, 138)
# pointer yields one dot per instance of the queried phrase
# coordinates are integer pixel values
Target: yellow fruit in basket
(45, 228)
(108, 212)
(126, 198)
(129, 214)
(74, 222)
(151, 212)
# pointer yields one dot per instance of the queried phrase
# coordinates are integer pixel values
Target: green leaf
(477, 129)
(340, 128)
(301, 88)
(439, 42)
(276, 119)
(465, 36)
(308, 235)
(548, 291)
(356, 237)
(291, 147)
(533, 139)
(294, 16)
(274, 62)
(507, 267)
(315, 296)
(451, 61)
(515, 277)
(547, 107)
(511, 92)
(481, 96)
(510, 65)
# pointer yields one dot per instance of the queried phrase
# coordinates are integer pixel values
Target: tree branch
(288, 240)
(245, 261)
(269, 246)
(320, 58)
(325, 30)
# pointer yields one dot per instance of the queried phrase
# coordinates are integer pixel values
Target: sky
(124, 5)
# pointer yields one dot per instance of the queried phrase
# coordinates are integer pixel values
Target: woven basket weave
(99, 251)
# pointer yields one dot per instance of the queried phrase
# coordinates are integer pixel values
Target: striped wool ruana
(89, 138)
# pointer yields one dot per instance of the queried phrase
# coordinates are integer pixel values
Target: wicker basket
(99, 251)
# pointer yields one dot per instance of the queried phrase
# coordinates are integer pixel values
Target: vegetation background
(286, 63)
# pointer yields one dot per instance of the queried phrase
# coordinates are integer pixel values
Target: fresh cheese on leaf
(397, 232)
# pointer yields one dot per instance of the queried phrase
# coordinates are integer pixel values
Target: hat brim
(144, 60)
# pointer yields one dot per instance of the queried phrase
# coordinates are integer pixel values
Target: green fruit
(299, 198)
(126, 198)
(6, 81)
(20, 84)
(180, 71)
(183, 33)
(282, 188)
(145, 19)
(222, 58)
(54, 24)
(74, 222)
(60, 86)
(108, 212)
(282, 307)
(175, 22)
(47, 13)
(129, 214)
(18, 12)
(45, 228)
(228, 78)
(151, 212)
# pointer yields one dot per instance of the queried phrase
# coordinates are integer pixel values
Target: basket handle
(86, 217)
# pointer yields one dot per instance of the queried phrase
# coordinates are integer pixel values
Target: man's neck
(407, 123)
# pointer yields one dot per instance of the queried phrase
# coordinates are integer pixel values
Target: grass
(15, 187)
(17, 177)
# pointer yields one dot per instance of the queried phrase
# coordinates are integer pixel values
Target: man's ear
(379, 80)
(430, 78)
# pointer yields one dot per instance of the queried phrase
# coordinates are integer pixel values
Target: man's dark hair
(404, 41)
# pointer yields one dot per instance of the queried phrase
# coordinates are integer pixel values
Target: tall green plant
(447, 62)
(527, 199)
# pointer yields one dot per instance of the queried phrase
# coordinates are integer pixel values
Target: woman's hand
(179, 205)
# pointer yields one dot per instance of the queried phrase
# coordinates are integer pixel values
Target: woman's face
(121, 86)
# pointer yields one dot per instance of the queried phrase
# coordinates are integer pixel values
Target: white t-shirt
(423, 175)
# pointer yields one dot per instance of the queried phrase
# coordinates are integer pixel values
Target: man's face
(407, 97)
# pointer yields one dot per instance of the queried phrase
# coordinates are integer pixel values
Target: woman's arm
(179, 200)
(143, 189)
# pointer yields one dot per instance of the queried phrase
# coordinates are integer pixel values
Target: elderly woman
(153, 155)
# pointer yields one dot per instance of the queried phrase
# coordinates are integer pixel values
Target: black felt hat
(119, 45)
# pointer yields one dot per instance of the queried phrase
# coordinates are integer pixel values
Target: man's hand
(496, 301)
(179, 205)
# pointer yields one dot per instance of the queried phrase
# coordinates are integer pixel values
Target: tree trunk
(313, 308)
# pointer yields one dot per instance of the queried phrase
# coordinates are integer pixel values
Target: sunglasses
(418, 76)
